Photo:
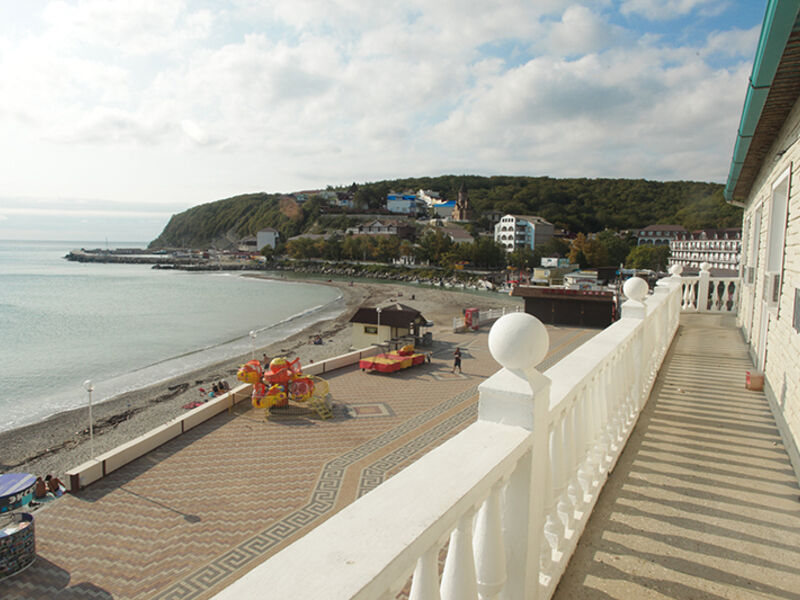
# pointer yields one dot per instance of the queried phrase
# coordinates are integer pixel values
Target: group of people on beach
(49, 487)
(219, 388)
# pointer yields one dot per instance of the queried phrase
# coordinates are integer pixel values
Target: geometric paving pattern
(201, 510)
(322, 500)
(369, 410)
(375, 474)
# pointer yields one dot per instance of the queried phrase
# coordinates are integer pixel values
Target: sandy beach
(62, 441)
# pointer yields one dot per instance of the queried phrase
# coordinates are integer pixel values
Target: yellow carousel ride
(283, 382)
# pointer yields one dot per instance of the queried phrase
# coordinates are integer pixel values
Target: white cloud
(735, 43)
(657, 10)
(137, 28)
(162, 101)
(581, 31)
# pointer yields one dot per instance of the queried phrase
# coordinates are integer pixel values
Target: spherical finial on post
(635, 289)
(676, 270)
(705, 267)
(518, 341)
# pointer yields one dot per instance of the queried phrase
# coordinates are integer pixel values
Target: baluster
(712, 297)
(603, 439)
(590, 470)
(577, 435)
(564, 455)
(609, 426)
(458, 578)
(553, 527)
(425, 585)
(490, 555)
(632, 408)
(613, 426)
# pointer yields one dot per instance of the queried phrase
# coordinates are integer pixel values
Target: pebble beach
(61, 442)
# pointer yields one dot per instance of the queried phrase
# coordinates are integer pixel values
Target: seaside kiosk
(17, 537)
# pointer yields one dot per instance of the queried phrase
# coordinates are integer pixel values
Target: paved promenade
(703, 503)
(200, 511)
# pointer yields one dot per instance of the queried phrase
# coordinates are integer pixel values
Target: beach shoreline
(61, 441)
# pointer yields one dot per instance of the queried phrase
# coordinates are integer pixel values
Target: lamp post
(253, 345)
(89, 386)
(378, 310)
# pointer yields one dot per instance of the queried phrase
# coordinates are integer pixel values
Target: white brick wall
(782, 367)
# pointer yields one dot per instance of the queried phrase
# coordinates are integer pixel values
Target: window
(777, 234)
(370, 329)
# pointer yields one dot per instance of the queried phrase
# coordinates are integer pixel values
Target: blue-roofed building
(405, 203)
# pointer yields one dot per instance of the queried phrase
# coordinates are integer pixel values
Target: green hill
(578, 205)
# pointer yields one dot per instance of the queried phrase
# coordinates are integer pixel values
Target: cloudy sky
(115, 115)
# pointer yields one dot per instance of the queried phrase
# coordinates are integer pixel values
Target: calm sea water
(127, 326)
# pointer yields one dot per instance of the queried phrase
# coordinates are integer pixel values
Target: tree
(522, 258)
(617, 248)
(433, 245)
(487, 253)
(588, 252)
(647, 256)
(388, 248)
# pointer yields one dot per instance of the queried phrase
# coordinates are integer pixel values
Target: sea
(128, 326)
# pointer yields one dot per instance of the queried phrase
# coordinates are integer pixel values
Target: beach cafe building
(511, 494)
(377, 325)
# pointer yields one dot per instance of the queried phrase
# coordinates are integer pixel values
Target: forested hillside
(578, 205)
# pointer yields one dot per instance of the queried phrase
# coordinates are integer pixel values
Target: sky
(116, 115)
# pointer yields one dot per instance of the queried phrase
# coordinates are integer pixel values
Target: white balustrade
(537, 460)
(705, 293)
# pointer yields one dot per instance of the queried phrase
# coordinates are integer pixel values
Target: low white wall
(110, 461)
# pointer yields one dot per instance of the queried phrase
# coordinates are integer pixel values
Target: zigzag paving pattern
(201, 510)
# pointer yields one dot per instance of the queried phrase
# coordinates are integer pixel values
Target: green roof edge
(780, 19)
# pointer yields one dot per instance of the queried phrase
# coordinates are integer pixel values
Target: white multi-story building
(658, 234)
(720, 248)
(519, 231)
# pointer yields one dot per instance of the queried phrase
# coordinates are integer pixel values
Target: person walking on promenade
(457, 360)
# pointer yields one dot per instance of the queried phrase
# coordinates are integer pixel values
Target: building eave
(773, 89)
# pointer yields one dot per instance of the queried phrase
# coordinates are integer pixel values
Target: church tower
(462, 210)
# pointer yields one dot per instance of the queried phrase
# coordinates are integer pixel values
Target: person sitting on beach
(40, 488)
(317, 340)
(223, 386)
(54, 485)
(215, 389)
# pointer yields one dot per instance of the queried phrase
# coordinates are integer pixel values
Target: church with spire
(462, 210)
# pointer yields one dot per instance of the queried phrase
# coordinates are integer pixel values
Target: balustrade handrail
(526, 475)
(370, 547)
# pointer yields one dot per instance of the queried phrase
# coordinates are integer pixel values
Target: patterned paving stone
(201, 510)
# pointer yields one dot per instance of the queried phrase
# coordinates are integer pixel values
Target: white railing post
(702, 288)
(519, 395)
(634, 308)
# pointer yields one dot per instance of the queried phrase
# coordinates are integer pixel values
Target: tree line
(436, 248)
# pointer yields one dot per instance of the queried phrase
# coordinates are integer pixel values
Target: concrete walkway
(703, 503)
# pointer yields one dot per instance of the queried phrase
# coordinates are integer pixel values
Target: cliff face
(222, 223)
(577, 205)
